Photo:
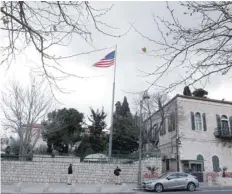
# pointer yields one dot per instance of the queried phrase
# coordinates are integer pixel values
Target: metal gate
(199, 176)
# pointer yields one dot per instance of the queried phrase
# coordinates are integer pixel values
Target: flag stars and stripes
(107, 61)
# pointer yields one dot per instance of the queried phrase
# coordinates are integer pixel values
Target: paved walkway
(55, 188)
(64, 188)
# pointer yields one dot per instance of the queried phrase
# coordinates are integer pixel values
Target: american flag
(107, 61)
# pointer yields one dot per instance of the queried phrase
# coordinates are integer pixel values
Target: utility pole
(177, 154)
(140, 143)
(144, 97)
(177, 139)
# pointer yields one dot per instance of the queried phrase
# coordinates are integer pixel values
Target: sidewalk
(206, 186)
(64, 188)
(55, 188)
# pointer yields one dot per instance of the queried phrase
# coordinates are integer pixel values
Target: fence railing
(16, 157)
(117, 157)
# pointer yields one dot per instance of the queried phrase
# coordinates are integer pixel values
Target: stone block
(18, 188)
(46, 188)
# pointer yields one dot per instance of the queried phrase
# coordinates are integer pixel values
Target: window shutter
(169, 123)
(216, 165)
(156, 138)
(230, 120)
(173, 121)
(219, 125)
(193, 121)
(204, 122)
(152, 133)
(160, 129)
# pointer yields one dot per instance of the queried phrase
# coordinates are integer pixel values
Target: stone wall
(56, 172)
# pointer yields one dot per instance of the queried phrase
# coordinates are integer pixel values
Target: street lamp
(144, 97)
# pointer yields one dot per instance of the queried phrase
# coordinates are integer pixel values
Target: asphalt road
(216, 191)
(196, 192)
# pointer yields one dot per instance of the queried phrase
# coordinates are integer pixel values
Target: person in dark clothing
(117, 173)
(70, 171)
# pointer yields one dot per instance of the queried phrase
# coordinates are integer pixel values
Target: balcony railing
(223, 133)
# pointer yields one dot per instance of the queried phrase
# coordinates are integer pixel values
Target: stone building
(198, 129)
(36, 138)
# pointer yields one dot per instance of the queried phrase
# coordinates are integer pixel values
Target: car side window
(182, 175)
(173, 176)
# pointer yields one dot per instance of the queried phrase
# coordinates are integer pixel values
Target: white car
(172, 181)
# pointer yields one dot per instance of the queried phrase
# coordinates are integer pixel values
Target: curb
(215, 188)
(138, 189)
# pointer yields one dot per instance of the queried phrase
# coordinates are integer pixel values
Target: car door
(182, 181)
(172, 181)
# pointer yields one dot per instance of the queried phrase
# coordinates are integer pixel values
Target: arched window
(198, 121)
(230, 119)
(216, 166)
(225, 123)
(201, 158)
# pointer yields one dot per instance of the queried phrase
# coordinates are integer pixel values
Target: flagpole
(112, 107)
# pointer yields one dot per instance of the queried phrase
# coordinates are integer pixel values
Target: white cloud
(97, 92)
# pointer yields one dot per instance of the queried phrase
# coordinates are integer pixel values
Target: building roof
(34, 125)
(192, 98)
(204, 99)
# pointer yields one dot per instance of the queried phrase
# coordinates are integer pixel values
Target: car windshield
(163, 175)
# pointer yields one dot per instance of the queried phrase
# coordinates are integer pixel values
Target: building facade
(196, 134)
(36, 138)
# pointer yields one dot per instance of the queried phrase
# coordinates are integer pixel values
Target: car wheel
(191, 187)
(158, 188)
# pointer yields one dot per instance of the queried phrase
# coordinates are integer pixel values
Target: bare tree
(152, 128)
(24, 107)
(201, 50)
(47, 25)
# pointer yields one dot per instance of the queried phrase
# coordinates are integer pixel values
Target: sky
(96, 92)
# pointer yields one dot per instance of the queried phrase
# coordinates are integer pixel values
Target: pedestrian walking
(70, 171)
(117, 174)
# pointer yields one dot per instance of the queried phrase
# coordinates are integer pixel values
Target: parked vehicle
(172, 181)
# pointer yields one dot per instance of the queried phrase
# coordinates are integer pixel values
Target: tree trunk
(23, 153)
